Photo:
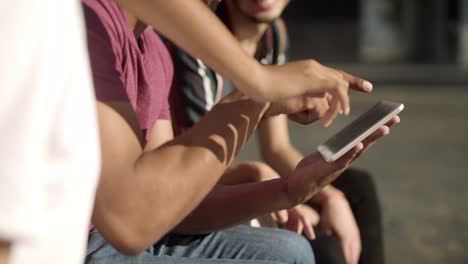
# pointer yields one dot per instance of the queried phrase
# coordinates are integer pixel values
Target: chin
(265, 18)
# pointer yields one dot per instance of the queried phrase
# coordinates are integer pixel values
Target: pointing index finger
(357, 84)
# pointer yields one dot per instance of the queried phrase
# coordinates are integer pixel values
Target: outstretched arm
(186, 23)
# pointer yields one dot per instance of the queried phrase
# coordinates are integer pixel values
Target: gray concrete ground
(421, 170)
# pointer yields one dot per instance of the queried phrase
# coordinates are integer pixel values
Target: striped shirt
(197, 88)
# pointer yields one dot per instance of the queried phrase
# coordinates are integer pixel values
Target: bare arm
(275, 145)
(162, 132)
(142, 196)
(4, 252)
(247, 190)
(229, 205)
(186, 23)
(196, 29)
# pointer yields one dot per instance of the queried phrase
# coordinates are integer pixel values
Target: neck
(245, 29)
(135, 24)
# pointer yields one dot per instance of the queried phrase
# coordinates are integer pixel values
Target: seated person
(197, 88)
(151, 182)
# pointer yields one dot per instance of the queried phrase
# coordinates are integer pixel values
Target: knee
(271, 244)
(296, 248)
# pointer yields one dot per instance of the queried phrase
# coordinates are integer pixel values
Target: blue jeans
(237, 245)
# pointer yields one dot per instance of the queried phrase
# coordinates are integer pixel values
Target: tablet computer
(359, 129)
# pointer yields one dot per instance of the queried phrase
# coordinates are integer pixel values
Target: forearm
(283, 160)
(276, 147)
(4, 252)
(230, 205)
(195, 28)
(161, 187)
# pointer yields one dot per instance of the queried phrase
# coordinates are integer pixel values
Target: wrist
(260, 83)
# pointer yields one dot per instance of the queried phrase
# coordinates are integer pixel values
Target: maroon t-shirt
(124, 68)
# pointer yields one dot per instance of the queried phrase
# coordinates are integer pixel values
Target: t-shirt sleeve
(104, 56)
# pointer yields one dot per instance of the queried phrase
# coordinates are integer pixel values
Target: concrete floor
(421, 170)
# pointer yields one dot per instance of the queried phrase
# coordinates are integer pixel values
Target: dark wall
(329, 30)
(316, 9)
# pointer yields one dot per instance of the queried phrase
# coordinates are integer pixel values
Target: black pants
(360, 190)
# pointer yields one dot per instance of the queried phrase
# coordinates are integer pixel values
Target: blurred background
(416, 52)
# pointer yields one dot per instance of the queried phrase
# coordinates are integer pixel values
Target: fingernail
(347, 110)
(367, 86)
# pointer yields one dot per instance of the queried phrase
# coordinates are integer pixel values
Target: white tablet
(359, 129)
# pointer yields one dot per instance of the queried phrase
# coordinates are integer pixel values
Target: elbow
(126, 233)
(129, 241)
(129, 246)
(133, 245)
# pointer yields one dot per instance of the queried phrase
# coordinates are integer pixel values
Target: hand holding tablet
(359, 129)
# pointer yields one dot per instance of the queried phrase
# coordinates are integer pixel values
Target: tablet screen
(362, 126)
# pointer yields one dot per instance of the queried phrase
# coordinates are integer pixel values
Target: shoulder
(105, 36)
(106, 18)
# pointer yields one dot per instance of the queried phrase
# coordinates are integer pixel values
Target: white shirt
(49, 152)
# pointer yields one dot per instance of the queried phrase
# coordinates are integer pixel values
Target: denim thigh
(239, 244)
